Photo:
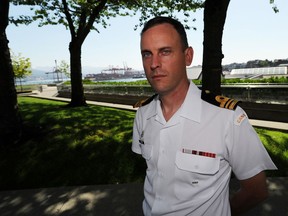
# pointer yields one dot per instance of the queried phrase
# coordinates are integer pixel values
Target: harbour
(115, 73)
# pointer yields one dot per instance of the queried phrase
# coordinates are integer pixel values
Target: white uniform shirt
(190, 157)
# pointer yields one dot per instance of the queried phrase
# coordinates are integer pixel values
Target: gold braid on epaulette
(219, 100)
(226, 102)
(144, 102)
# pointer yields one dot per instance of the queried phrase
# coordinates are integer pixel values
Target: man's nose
(155, 63)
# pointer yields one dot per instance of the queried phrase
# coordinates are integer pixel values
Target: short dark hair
(175, 23)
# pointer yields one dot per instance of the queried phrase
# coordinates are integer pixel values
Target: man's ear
(189, 52)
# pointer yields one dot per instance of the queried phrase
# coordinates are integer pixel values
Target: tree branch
(69, 19)
(95, 13)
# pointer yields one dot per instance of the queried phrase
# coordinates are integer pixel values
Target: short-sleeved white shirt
(190, 157)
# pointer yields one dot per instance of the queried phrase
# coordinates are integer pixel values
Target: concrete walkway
(98, 200)
(117, 200)
(113, 200)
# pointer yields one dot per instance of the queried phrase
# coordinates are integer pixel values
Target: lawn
(71, 146)
(64, 146)
(276, 143)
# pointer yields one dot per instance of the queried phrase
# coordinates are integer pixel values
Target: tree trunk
(10, 121)
(77, 90)
(214, 20)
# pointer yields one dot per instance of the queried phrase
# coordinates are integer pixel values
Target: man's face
(164, 59)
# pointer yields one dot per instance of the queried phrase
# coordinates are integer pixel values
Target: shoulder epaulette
(144, 101)
(219, 100)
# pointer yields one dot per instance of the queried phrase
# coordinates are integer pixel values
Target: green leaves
(21, 66)
(274, 6)
(150, 8)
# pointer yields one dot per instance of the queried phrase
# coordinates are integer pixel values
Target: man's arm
(252, 191)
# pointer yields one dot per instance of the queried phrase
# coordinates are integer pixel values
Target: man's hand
(252, 191)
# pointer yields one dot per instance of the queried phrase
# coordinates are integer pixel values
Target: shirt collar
(152, 107)
(192, 105)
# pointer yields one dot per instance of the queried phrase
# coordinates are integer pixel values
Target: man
(190, 145)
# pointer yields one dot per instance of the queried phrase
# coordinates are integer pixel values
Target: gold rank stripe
(230, 104)
(233, 104)
(225, 102)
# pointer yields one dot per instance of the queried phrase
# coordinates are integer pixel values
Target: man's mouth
(158, 76)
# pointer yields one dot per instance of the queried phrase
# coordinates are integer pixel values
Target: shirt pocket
(195, 176)
(197, 164)
(146, 151)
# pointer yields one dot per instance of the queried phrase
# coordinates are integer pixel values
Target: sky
(252, 31)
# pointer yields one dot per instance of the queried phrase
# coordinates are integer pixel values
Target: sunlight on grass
(71, 146)
(276, 143)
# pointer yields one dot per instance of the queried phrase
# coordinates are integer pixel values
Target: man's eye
(146, 54)
(166, 52)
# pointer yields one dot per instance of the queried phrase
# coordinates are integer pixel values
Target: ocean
(52, 81)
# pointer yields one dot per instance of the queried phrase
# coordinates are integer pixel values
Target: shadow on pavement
(102, 200)
(119, 200)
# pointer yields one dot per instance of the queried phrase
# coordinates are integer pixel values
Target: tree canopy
(21, 66)
(79, 17)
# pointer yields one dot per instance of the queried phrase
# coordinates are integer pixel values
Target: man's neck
(170, 103)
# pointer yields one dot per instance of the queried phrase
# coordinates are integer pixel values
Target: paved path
(113, 200)
(116, 200)
(98, 200)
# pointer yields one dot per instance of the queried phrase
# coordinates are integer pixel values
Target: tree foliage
(274, 6)
(64, 68)
(171, 8)
(21, 66)
(79, 17)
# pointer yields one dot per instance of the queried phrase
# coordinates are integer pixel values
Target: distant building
(194, 73)
(251, 73)
(262, 70)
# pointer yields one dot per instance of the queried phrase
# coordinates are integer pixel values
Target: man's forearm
(242, 201)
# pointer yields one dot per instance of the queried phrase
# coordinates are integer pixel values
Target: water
(39, 82)
(53, 81)
(123, 80)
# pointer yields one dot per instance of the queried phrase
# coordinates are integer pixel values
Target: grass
(87, 145)
(276, 143)
(71, 146)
